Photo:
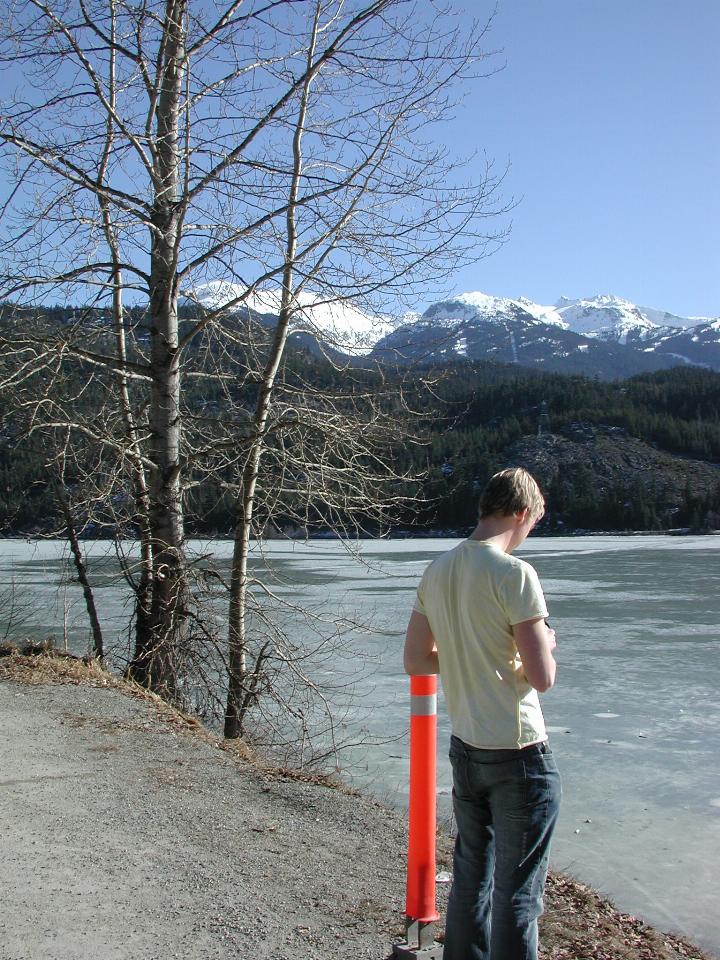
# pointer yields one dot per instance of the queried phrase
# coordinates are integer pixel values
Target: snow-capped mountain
(604, 335)
(604, 316)
(608, 317)
(471, 307)
(339, 325)
(689, 340)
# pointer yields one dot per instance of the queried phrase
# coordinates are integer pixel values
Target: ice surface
(634, 717)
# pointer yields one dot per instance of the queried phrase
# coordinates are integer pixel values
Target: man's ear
(522, 515)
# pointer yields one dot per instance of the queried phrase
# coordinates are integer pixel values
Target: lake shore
(132, 833)
(452, 533)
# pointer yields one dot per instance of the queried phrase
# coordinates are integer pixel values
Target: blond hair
(510, 491)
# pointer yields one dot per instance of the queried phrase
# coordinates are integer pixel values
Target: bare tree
(280, 153)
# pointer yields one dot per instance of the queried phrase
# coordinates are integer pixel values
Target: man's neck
(496, 530)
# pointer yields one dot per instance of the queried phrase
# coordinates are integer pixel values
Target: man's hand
(420, 654)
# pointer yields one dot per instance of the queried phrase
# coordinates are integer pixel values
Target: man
(479, 621)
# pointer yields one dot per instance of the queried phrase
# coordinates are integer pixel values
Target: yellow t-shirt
(472, 595)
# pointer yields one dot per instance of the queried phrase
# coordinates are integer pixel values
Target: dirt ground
(131, 833)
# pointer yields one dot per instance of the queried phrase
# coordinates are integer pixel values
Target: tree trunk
(237, 699)
(143, 586)
(240, 692)
(159, 630)
(71, 533)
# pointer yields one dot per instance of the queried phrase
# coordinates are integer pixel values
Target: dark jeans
(506, 804)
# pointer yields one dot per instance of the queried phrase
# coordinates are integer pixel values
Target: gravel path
(126, 834)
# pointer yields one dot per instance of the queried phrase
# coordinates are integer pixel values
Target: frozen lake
(634, 717)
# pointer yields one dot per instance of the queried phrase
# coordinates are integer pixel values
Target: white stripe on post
(423, 705)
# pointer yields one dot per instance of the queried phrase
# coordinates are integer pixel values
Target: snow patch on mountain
(665, 319)
(461, 346)
(544, 314)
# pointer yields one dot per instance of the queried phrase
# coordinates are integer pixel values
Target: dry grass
(37, 663)
(33, 663)
(581, 925)
(578, 923)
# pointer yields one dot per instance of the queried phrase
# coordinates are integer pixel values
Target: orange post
(420, 893)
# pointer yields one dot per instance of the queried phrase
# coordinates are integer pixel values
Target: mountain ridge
(603, 336)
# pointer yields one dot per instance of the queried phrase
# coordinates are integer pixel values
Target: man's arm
(420, 656)
(535, 642)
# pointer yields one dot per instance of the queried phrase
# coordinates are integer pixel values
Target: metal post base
(420, 942)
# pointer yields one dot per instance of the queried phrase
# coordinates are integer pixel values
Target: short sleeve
(522, 595)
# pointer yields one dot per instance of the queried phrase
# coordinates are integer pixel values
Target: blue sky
(607, 111)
